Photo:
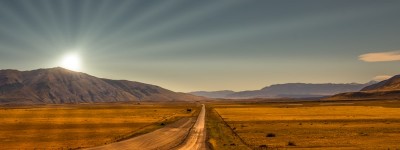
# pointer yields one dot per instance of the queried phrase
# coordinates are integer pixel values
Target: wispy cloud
(381, 77)
(380, 57)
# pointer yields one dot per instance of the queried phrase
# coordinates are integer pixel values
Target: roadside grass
(219, 135)
(78, 126)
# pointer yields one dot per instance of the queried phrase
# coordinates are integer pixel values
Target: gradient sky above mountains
(188, 45)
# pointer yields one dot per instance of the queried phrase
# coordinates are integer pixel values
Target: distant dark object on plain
(271, 135)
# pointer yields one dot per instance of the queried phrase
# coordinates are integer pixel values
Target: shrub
(291, 143)
(263, 146)
(364, 134)
(271, 135)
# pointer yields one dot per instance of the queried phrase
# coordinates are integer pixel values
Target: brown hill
(390, 84)
(58, 86)
(387, 89)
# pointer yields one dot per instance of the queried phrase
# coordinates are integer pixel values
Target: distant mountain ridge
(213, 94)
(290, 90)
(59, 86)
(387, 89)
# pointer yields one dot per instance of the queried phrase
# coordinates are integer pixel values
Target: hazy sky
(188, 45)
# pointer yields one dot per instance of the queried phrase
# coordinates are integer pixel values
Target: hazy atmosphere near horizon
(193, 45)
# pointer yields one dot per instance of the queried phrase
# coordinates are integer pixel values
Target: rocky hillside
(59, 86)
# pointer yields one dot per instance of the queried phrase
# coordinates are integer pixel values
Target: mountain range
(289, 90)
(59, 86)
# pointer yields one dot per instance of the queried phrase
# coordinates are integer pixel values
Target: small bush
(291, 143)
(364, 134)
(263, 146)
(162, 124)
(271, 135)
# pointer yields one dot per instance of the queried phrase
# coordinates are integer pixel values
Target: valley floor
(306, 125)
(228, 125)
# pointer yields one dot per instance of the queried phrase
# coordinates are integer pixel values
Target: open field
(230, 125)
(320, 125)
(74, 126)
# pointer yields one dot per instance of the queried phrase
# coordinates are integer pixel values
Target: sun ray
(194, 14)
(142, 35)
(93, 24)
(93, 19)
(30, 36)
(138, 20)
(54, 25)
(41, 22)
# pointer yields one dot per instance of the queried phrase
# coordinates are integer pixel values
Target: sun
(71, 61)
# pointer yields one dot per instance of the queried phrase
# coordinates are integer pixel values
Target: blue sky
(187, 45)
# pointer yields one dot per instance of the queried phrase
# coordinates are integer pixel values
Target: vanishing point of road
(181, 135)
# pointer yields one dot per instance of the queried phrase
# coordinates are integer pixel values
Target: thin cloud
(381, 77)
(380, 57)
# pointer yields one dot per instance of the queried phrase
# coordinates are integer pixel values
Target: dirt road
(166, 138)
(197, 136)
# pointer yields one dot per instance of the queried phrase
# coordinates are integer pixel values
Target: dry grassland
(75, 126)
(355, 125)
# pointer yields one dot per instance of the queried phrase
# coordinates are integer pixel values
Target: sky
(191, 45)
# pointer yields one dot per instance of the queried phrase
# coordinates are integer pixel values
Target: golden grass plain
(78, 126)
(336, 125)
